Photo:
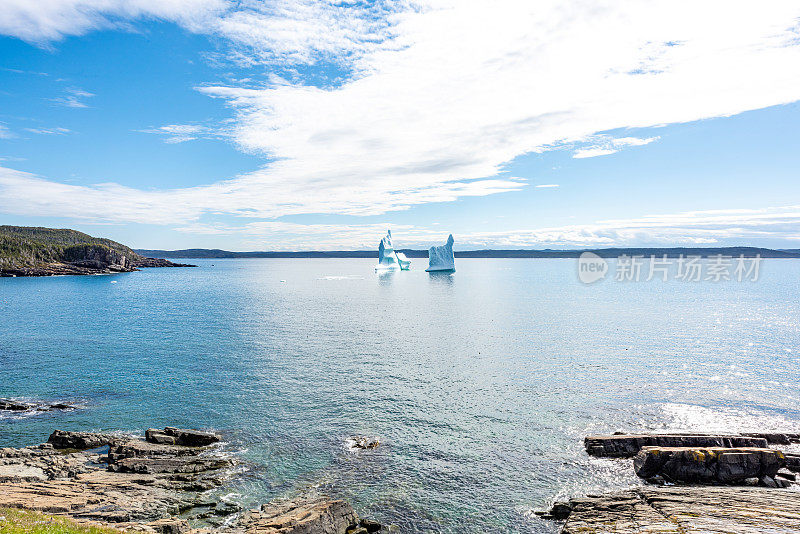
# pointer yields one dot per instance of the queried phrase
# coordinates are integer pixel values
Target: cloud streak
(697, 228)
(73, 99)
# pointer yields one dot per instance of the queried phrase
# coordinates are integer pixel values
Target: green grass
(27, 522)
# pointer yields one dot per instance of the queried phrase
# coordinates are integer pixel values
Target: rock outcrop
(29, 251)
(685, 510)
(136, 481)
(181, 436)
(19, 406)
(363, 442)
(628, 445)
(708, 464)
(308, 516)
(63, 439)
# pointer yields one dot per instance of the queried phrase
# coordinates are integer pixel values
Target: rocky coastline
(160, 484)
(102, 265)
(693, 483)
(33, 251)
(163, 482)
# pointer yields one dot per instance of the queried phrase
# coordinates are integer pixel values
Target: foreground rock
(708, 465)
(308, 516)
(685, 510)
(628, 445)
(136, 481)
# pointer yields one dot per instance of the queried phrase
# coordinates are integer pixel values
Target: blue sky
(299, 125)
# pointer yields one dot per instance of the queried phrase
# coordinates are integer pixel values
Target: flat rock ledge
(684, 510)
(135, 485)
(308, 516)
(628, 445)
(144, 485)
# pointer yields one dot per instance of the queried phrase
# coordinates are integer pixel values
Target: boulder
(181, 436)
(170, 526)
(363, 442)
(793, 462)
(157, 436)
(628, 445)
(707, 464)
(62, 439)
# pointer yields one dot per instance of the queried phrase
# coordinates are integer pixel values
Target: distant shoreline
(671, 252)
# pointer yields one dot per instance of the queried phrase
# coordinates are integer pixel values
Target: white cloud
(5, 133)
(73, 98)
(438, 96)
(604, 145)
(43, 21)
(49, 131)
(547, 185)
(180, 133)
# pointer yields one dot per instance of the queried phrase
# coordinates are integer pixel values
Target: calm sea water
(480, 385)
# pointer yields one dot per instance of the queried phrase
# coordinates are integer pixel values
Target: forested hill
(674, 252)
(36, 251)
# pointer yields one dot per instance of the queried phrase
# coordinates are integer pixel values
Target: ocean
(480, 385)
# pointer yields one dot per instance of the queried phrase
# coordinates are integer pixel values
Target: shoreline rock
(684, 510)
(319, 515)
(87, 267)
(147, 485)
(628, 445)
(708, 465)
(135, 482)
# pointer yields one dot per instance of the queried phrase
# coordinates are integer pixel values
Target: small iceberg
(405, 263)
(388, 259)
(441, 258)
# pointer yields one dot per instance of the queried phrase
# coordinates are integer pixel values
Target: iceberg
(405, 263)
(388, 259)
(441, 258)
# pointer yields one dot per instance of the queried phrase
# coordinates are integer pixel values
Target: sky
(300, 125)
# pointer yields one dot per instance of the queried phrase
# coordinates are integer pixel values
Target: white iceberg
(441, 258)
(388, 259)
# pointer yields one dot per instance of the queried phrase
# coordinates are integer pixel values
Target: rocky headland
(160, 484)
(27, 251)
(694, 483)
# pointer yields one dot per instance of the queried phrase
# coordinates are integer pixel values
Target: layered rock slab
(686, 510)
(135, 482)
(307, 516)
(628, 445)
